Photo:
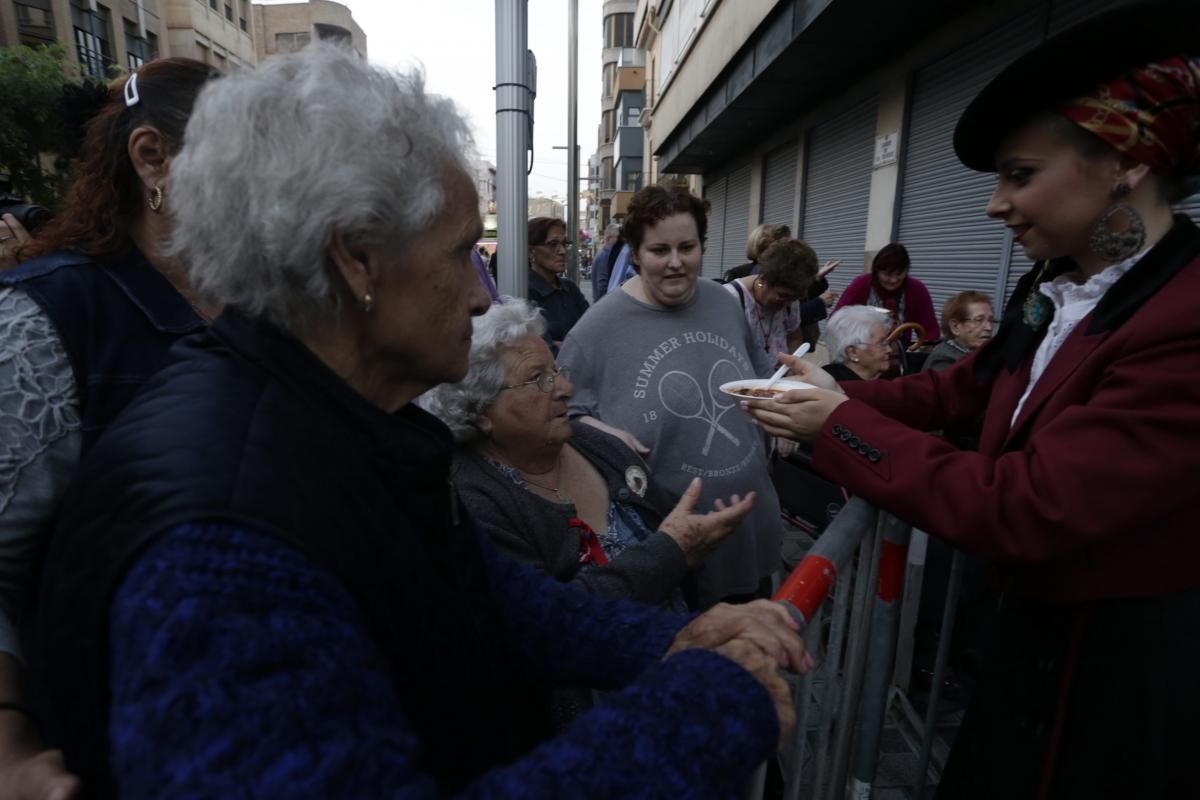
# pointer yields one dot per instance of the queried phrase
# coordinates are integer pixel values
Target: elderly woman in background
(889, 285)
(88, 316)
(858, 347)
(1083, 490)
(556, 295)
(264, 583)
(967, 324)
(671, 341)
(770, 297)
(570, 500)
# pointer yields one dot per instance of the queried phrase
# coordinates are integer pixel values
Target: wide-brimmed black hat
(1071, 63)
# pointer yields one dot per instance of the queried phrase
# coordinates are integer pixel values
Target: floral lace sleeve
(39, 443)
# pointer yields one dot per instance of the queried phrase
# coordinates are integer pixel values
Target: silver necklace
(562, 496)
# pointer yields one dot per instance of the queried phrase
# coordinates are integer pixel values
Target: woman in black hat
(1084, 490)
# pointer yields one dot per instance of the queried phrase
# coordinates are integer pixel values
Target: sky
(454, 41)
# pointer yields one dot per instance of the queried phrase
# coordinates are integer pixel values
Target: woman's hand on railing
(766, 672)
(698, 534)
(765, 624)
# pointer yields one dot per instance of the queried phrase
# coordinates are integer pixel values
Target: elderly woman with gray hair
(573, 502)
(858, 347)
(263, 583)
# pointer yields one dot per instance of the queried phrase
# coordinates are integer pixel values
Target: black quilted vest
(245, 426)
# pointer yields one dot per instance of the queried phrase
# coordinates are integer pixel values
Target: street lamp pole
(573, 139)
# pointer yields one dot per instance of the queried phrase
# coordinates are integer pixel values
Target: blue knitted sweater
(239, 669)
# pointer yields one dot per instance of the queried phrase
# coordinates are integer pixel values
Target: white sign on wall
(886, 148)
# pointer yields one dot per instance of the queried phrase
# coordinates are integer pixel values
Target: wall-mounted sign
(886, 148)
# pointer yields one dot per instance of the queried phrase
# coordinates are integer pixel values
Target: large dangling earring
(1120, 232)
(156, 200)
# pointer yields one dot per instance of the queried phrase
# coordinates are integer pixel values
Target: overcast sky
(455, 42)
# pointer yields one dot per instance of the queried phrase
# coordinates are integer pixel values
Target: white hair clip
(131, 92)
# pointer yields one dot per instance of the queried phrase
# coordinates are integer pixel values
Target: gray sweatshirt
(655, 372)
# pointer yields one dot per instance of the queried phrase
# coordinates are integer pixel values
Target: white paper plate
(737, 388)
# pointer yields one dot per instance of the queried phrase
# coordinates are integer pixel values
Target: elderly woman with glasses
(561, 301)
(857, 340)
(572, 501)
(967, 324)
(264, 584)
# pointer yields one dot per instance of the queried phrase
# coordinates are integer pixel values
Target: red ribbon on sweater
(590, 551)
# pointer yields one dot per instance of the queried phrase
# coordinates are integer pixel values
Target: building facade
(124, 34)
(288, 27)
(546, 207)
(836, 117)
(618, 56)
(104, 37)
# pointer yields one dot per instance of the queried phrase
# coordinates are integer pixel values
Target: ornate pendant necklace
(1037, 309)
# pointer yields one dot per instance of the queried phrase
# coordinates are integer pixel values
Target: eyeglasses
(544, 382)
(979, 320)
(556, 244)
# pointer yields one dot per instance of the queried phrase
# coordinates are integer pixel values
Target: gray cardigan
(534, 530)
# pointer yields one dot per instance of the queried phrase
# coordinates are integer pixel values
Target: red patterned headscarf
(1151, 114)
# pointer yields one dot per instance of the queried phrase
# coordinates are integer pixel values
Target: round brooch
(1037, 310)
(635, 479)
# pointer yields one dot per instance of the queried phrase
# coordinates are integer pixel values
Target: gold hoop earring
(368, 302)
(156, 200)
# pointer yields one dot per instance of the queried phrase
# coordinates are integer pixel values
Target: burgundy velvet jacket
(1093, 492)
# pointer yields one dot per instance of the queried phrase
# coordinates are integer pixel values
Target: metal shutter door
(1066, 13)
(1191, 207)
(838, 188)
(954, 246)
(715, 194)
(779, 185)
(737, 219)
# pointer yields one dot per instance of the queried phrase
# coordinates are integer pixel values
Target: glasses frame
(555, 244)
(541, 379)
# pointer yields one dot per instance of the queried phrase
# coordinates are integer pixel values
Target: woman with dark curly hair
(671, 340)
(83, 323)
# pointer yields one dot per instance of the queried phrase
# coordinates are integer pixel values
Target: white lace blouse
(1072, 302)
(40, 438)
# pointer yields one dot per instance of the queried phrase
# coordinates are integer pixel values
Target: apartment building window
(139, 50)
(35, 22)
(633, 181)
(229, 12)
(607, 75)
(618, 30)
(92, 40)
(631, 115)
(291, 42)
(242, 23)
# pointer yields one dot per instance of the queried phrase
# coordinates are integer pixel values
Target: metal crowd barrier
(847, 595)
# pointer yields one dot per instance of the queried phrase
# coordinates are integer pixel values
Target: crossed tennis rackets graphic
(682, 395)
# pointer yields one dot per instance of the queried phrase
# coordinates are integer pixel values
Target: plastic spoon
(779, 373)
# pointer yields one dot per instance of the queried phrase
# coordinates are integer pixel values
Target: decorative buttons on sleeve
(857, 445)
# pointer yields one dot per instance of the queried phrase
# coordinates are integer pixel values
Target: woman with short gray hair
(575, 503)
(263, 583)
(857, 340)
